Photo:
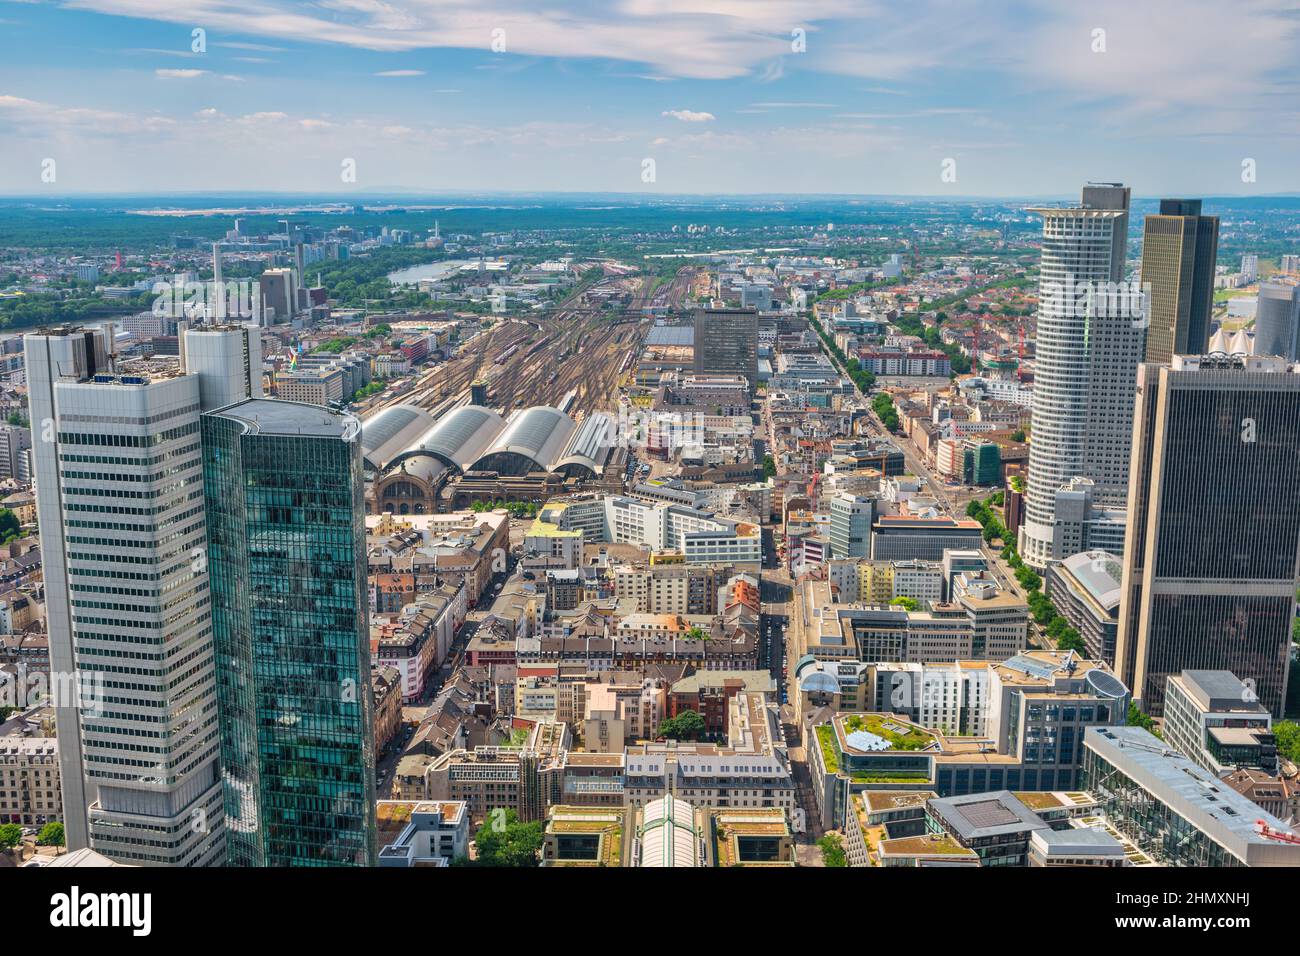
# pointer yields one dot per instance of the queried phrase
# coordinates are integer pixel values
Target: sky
(1194, 97)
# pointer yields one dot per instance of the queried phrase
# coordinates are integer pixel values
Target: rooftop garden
(610, 833)
(900, 736)
(891, 776)
(924, 845)
(829, 747)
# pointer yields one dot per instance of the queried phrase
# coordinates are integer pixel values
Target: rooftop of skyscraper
(273, 417)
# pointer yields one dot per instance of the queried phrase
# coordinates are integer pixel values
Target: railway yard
(539, 359)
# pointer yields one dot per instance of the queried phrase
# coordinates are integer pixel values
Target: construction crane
(1281, 836)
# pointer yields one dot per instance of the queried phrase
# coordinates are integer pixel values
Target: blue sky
(1021, 95)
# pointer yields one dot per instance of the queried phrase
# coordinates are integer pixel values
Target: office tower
(1210, 561)
(1179, 248)
(286, 545)
(726, 342)
(851, 519)
(1249, 269)
(276, 290)
(1277, 319)
(119, 500)
(1290, 264)
(1089, 345)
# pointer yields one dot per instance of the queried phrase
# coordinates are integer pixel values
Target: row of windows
(129, 441)
(144, 462)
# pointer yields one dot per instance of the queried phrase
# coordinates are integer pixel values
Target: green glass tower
(286, 557)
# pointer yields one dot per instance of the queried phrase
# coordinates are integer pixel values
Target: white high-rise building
(1090, 339)
(119, 494)
(1249, 269)
(851, 519)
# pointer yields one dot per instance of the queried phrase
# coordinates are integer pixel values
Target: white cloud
(179, 74)
(400, 73)
(710, 39)
(689, 116)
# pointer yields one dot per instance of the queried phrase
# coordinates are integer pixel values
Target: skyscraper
(726, 342)
(1179, 248)
(120, 503)
(1089, 343)
(1210, 562)
(289, 613)
(1277, 319)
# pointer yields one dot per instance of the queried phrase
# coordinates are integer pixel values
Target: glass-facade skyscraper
(1179, 249)
(286, 542)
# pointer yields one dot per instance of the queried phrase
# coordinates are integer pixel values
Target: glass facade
(287, 566)
(1146, 820)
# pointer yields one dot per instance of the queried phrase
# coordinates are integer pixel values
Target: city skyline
(805, 98)
(506, 435)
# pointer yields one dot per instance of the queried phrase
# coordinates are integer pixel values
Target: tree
(769, 467)
(51, 834)
(905, 602)
(1071, 640)
(688, 725)
(505, 841)
(1138, 719)
(11, 834)
(832, 850)
(9, 526)
(1029, 579)
(1287, 733)
(1018, 435)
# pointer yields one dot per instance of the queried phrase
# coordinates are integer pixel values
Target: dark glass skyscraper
(287, 564)
(1210, 560)
(726, 343)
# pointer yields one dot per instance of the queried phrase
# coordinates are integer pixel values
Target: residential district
(927, 545)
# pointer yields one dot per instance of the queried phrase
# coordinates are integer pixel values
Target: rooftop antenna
(110, 334)
(219, 288)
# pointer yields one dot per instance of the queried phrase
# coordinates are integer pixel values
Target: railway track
(582, 350)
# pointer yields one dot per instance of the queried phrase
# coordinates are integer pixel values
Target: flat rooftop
(929, 844)
(981, 815)
(1219, 691)
(268, 416)
(876, 801)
